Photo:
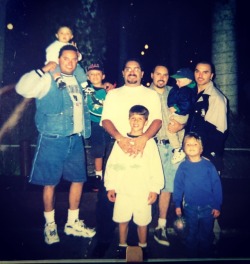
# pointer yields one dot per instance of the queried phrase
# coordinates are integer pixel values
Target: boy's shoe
(160, 235)
(178, 156)
(50, 233)
(79, 229)
(145, 253)
(121, 252)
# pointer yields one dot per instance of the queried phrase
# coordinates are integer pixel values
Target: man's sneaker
(96, 183)
(50, 233)
(178, 156)
(79, 229)
(160, 235)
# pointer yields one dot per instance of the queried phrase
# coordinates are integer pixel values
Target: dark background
(165, 25)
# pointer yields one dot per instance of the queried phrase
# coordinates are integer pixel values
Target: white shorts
(127, 207)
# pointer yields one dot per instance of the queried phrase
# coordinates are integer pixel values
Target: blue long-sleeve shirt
(199, 183)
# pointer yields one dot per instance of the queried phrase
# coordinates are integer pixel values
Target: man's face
(203, 74)
(132, 73)
(68, 61)
(160, 76)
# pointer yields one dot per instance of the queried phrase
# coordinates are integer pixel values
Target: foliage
(90, 32)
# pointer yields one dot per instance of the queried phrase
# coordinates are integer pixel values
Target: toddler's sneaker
(60, 83)
(178, 155)
(50, 233)
(79, 229)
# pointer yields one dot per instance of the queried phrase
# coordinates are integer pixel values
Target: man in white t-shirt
(115, 121)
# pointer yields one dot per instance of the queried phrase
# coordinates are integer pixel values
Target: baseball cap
(95, 66)
(183, 73)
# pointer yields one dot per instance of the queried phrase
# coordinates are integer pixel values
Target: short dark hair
(208, 63)
(139, 110)
(133, 59)
(67, 47)
(160, 65)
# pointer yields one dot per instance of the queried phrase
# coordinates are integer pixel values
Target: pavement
(22, 225)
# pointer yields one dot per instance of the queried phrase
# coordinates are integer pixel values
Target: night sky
(162, 24)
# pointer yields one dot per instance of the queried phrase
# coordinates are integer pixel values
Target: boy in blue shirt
(198, 183)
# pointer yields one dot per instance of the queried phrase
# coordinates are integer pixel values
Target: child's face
(64, 34)
(183, 82)
(96, 77)
(137, 123)
(192, 147)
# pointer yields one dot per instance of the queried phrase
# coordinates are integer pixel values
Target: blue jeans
(57, 157)
(169, 169)
(200, 222)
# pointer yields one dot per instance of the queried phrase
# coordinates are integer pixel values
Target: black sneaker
(121, 252)
(160, 235)
(96, 183)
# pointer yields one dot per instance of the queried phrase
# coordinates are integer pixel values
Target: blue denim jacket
(54, 114)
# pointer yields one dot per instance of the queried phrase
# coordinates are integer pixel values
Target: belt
(161, 141)
(58, 136)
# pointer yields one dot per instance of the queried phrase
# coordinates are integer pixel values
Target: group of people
(150, 130)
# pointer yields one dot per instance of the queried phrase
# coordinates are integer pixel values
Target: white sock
(49, 216)
(123, 245)
(142, 245)
(162, 222)
(72, 216)
(98, 173)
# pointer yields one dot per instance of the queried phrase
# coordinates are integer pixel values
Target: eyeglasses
(136, 69)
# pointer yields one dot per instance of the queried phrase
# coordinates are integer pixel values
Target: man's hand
(126, 144)
(174, 126)
(111, 195)
(133, 146)
(50, 66)
(109, 86)
(139, 145)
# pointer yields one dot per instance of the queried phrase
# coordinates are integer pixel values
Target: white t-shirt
(119, 101)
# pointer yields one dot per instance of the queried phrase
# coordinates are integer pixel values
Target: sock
(72, 216)
(99, 173)
(123, 245)
(142, 245)
(162, 222)
(49, 216)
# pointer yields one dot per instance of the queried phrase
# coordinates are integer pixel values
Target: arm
(123, 142)
(36, 83)
(140, 142)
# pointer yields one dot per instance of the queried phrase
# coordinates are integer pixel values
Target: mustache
(132, 74)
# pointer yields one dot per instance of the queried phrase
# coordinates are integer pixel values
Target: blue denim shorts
(58, 157)
(169, 169)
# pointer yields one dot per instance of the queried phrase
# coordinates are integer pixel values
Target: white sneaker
(79, 229)
(50, 233)
(178, 156)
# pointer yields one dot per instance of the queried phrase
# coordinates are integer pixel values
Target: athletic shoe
(79, 229)
(160, 235)
(178, 156)
(50, 234)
